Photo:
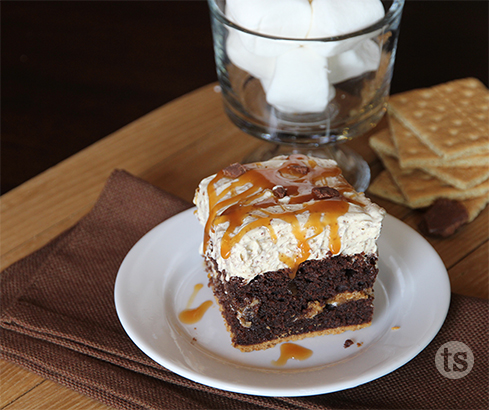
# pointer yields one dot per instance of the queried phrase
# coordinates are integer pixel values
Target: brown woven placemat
(59, 321)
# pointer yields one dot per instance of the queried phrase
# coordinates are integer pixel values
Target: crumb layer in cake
(327, 296)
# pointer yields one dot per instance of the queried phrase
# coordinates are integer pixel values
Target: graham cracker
(385, 187)
(381, 142)
(420, 189)
(475, 206)
(449, 118)
(453, 172)
(412, 153)
(459, 177)
(472, 99)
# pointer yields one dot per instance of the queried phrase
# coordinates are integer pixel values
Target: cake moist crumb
(348, 343)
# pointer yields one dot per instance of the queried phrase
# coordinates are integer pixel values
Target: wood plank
(470, 276)
(18, 380)
(49, 395)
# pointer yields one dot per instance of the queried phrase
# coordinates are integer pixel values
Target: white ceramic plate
(157, 278)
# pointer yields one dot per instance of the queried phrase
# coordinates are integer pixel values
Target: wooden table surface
(173, 147)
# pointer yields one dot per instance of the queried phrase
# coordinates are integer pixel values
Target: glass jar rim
(394, 11)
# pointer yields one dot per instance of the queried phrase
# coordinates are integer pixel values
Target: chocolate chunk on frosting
(325, 192)
(279, 191)
(443, 218)
(234, 170)
(299, 169)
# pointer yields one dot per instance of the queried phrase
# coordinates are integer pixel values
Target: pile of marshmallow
(296, 76)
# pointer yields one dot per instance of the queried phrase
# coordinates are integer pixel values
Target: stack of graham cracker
(437, 146)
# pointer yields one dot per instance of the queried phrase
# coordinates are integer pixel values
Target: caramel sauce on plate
(190, 316)
(298, 175)
(291, 351)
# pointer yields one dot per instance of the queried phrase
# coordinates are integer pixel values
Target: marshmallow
(300, 82)
(331, 18)
(363, 58)
(337, 17)
(258, 66)
(295, 75)
(278, 18)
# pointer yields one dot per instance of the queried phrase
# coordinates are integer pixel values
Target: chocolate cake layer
(333, 293)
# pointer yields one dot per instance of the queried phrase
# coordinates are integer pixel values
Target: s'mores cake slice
(290, 248)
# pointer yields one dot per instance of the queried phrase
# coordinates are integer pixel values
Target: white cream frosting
(258, 252)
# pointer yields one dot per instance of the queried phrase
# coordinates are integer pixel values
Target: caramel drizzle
(292, 351)
(234, 209)
(190, 316)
